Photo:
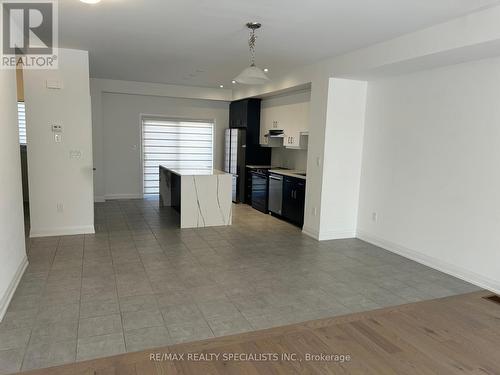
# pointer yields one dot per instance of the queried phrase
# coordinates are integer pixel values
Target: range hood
(275, 133)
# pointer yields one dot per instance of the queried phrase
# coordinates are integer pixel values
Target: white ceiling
(204, 42)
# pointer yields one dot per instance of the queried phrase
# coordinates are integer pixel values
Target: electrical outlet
(374, 217)
(60, 207)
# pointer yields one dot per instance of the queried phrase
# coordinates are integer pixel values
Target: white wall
(54, 177)
(342, 158)
(289, 158)
(120, 163)
(430, 169)
(13, 259)
(100, 87)
(470, 37)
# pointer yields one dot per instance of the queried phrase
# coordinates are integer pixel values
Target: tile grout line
(149, 280)
(131, 230)
(147, 275)
(80, 302)
(132, 219)
(116, 285)
(39, 306)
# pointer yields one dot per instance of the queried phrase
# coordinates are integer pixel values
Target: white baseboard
(65, 231)
(438, 264)
(310, 232)
(123, 196)
(9, 293)
(337, 235)
(99, 199)
(329, 235)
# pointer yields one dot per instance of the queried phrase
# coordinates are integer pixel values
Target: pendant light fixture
(252, 75)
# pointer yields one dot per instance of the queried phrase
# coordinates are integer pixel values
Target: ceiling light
(221, 86)
(233, 81)
(252, 75)
(90, 1)
(266, 70)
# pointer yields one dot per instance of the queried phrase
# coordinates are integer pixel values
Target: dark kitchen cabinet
(238, 113)
(294, 194)
(246, 114)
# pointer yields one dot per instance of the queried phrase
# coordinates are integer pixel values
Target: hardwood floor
(452, 335)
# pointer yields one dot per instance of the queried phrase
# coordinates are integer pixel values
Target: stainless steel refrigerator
(234, 161)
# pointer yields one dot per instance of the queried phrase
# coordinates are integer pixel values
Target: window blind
(179, 144)
(21, 121)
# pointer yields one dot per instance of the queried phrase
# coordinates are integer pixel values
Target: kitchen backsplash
(289, 158)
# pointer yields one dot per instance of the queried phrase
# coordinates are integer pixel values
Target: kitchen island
(202, 197)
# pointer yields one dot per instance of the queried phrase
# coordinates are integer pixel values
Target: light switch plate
(54, 84)
(56, 128)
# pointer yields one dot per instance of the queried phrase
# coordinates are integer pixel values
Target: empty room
(266, 187)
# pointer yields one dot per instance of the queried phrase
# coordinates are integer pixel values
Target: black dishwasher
(259, 189)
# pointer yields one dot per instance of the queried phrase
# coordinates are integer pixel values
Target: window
(179, 144)
(21, 121)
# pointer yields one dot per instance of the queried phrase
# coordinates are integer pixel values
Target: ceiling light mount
(252, 75)
(254, 25)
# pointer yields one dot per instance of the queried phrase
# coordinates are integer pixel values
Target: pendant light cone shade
(252, 76)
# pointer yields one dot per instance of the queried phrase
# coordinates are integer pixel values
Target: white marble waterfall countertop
(202, 197)
(193, 172)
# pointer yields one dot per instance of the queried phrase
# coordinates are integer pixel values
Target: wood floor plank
(120, 369)
(410, 358)
(439, 351)
(453, 335)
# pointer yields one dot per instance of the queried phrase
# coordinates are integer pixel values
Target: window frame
(148, 117)
(19, 102)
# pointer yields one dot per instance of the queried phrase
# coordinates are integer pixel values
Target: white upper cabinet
(289, 113)
(266, 116)
(297, 124)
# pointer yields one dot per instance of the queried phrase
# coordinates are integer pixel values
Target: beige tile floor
(140, 282)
